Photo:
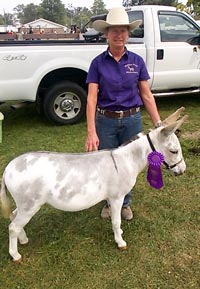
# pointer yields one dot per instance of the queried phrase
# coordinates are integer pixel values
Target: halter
(165, 163)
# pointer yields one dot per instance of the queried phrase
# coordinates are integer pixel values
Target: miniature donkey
(73, 182)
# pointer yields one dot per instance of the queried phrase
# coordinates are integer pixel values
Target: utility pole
(4, 16)
(71, 13)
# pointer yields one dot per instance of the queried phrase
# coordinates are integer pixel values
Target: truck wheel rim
(67, 105)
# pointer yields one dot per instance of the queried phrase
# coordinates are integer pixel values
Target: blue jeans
(114, 132)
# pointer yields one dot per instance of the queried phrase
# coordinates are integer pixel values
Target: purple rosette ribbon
(154, 173)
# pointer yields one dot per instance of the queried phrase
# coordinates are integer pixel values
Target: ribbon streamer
(154, 173)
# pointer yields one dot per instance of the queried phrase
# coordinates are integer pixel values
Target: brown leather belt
(119, 113)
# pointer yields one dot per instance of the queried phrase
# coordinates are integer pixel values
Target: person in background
(30, 30)
(117, 88)
(72, 29)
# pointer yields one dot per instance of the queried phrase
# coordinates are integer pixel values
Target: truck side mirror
(194, 40)
(93, 36)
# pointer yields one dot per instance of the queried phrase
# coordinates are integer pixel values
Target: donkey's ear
(172, 127)
(173, 117)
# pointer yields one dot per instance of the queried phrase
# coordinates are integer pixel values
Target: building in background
(42, 25)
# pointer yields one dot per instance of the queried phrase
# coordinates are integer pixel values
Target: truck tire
(65, 103)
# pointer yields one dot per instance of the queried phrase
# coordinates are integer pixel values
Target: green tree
(27, 13)
(19, 9)
(2, 20)
(53, 10)
(6, 19)
(194, 6)
(85, 15)
(81, 16)
(127, 3)
(98, 7)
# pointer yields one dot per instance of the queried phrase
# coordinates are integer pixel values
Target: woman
(117, 88)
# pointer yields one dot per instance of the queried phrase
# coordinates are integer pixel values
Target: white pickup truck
(52, 73)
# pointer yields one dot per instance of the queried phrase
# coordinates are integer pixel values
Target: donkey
(73, 182)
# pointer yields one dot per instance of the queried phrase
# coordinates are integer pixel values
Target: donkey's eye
(174, 152)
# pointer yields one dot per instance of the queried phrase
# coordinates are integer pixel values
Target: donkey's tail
(5, 201)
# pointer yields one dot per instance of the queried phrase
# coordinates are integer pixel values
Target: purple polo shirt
(118, 81)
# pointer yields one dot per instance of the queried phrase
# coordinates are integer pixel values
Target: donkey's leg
(22, 235)
(116, 206)
(23, 239)
(16, 230)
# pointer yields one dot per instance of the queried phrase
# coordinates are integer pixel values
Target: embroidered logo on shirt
(130, 68)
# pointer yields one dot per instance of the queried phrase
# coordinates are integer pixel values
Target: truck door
(177, 52)
(136, 37)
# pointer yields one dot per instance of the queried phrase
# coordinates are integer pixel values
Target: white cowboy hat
(116, 17)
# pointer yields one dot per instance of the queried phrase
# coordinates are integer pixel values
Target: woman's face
(117, 36)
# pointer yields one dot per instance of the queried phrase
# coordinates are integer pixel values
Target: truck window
(137, 15)
(175, 27)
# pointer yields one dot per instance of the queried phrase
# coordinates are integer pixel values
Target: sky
(8, 5)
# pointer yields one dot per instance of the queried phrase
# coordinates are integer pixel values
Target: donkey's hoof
(18, 261)
(123, 248)
(24, 242)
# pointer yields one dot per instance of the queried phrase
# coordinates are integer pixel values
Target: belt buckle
(100, 110)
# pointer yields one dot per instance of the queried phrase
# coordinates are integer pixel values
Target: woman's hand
(92, 142)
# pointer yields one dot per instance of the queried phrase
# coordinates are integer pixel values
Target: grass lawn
(77, 250)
